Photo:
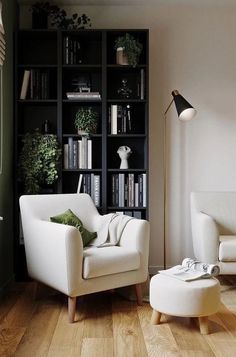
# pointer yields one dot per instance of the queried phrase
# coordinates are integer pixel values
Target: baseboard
(5, 286)
(154, 269)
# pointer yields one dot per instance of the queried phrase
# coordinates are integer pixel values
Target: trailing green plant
(86, 119)
(39, 158)
(132, 48)
(59, 18)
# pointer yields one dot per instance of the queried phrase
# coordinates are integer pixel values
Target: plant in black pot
(86, 120)
(128, 50)
(38, 163)
(40, 12)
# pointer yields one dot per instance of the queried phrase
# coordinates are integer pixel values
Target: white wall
(192, 49)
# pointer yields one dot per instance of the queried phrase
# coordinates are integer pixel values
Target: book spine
(80, 183)
(113, 190)
(137, 214)
(75, 154)
(144, 190)
(119, 119)
(80, 154)
(92, 188)
(90, 154)
(66, 164)
(114, 119)
(116, 190)
(97, 190)
(136, 198)
(140, 184)
(70, 153)
(25, 84)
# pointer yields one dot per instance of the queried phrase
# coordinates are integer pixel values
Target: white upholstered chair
(213, 217)
(56, 257)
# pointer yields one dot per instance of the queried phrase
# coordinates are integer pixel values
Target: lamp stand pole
(165, 184)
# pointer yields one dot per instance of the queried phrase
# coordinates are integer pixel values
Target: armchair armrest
(136, 236)
(205, 238)
(54, 254)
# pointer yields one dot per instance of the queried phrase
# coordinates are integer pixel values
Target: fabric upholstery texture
(213, 221)
(179, 298)
(69, 218)
(55, 254)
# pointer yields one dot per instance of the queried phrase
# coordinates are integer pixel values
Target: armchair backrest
(44, 206)
(221, 206)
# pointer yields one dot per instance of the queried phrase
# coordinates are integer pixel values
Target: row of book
(91, 184)
(72, 51)
(119, 119)
(35, 84)
(136, 214)
(129, 190)
(78, 154)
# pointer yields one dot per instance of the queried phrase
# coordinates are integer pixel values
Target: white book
(80, 154)
(79, 183)
(84, 152)
(97, 190)
(144, 190)
(25, 84)
(136, 194)
(65, 156)
(89, 154)
(114, 119)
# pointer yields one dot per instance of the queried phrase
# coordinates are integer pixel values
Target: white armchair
(213, 217)
(55, 255)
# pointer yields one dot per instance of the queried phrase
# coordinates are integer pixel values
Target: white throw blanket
(110, 230)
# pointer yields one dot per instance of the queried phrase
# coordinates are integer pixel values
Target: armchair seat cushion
(227, 249)
(108, 260)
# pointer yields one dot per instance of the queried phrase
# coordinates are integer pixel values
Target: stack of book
(83, 95)
(128, 190)
(72, 51)
(78, 154)
(136, 214)
(119, 119)
(90, 183)
(35, 84)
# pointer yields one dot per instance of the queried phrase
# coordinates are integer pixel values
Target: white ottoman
(198, 298)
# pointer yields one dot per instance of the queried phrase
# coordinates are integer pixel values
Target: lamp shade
(184, 109)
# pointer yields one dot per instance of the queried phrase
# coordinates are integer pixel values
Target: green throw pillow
(69, 218)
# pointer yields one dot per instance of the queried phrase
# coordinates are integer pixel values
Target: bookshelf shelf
(58, 62)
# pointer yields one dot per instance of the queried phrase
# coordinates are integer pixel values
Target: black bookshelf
(46, 51)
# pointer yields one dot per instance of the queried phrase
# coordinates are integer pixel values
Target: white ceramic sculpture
(124, 153)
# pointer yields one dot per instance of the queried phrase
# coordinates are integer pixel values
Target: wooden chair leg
(71, 308)
(203, 324)
(156, 317)
(139, 295)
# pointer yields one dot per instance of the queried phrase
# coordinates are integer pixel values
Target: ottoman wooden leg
(203, 324)
(156, 317)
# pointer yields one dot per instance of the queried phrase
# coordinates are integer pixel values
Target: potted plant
(86, 120)
(128, 50)
(38, 162)
(40, 13)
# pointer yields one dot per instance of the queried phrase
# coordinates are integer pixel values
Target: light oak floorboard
(97, 347)
(107, 325)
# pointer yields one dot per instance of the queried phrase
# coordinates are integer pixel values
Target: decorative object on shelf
(38, 162)
(128, 50)
(124, 91)
(46, 127)
(86, 121)
(40, 13)
(42, 10)
(124, 153)
(82, 83)
(185, 112)
(60, 20)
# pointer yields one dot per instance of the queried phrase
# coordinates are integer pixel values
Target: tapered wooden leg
(139, 295)
(203, 324)
(156, 317)
(71, 308)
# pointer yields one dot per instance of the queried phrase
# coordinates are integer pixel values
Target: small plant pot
(82, 132)
(121, 58)
(39, 20)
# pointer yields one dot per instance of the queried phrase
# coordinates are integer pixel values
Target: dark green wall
(6, 178)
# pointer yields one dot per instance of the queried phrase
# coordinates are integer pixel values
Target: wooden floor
(108, 325)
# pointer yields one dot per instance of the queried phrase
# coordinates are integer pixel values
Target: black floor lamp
(185, 112)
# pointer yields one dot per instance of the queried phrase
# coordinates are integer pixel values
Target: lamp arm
(168, 108)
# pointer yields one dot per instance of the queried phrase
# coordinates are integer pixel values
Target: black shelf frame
(104, 139)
